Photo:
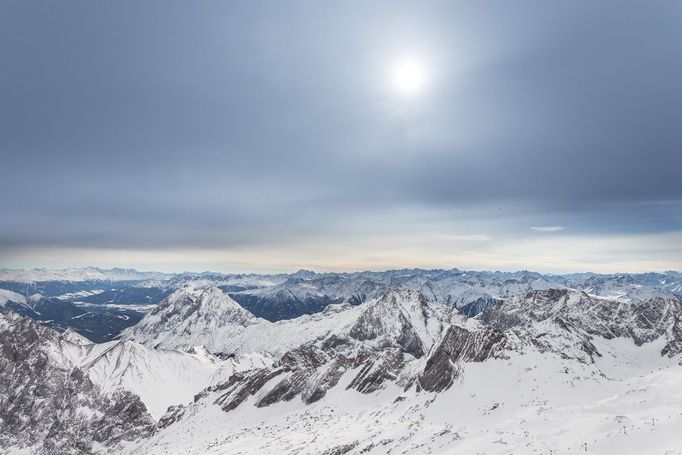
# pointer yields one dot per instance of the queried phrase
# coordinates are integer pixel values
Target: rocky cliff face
(458, 346)
(583, 316)
(49, 406)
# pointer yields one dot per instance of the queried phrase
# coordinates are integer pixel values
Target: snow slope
(538, 370)
(527, 403)
(161, 378)
(551, 370)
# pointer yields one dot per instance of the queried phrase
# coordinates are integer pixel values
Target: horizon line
(338, 272)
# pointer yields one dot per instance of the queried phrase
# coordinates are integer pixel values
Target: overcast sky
(240, 136)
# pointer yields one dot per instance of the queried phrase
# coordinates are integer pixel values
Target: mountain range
(115, 299)
(403, 361)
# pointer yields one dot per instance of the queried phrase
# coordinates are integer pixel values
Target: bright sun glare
(409, 76)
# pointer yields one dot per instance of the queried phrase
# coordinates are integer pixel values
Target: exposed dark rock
(172, 415)
(282, 305)
(674, 345)
(378, 369)
(458, 345)
(477, 306)
(586, 316)
(387, 318)
(342, 449)
(242, 385)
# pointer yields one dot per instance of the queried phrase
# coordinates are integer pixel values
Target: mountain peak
(194, 314)
(303, 273)
(403, 316)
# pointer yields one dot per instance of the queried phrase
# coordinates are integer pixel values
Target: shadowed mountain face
(283, 304)
(97, 323)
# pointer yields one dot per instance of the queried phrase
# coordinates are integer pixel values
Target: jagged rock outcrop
(374, 344)
(378, 340)
(376, 370)
(674, 345)
(405, 316)
(458, 345)
(585, 316)
(49, 406)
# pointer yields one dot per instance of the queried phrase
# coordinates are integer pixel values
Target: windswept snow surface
(571, 372)
(626, 403)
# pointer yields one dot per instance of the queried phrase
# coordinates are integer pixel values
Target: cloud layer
(270, 132)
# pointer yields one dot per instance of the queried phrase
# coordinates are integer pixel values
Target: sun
(409, 76)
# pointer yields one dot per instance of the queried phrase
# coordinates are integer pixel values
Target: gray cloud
(204, 125)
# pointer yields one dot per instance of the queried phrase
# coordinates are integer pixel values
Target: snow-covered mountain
(308, 293)
(193, 315)
(403, 373)
(629, 286)
(79, 274)
(161, 378)
(403, 327)
(123, 296)
(642, 321)
(414, 362)
(205, 315)
(626, 403)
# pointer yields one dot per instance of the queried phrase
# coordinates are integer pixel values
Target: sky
(271, 136)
